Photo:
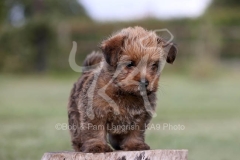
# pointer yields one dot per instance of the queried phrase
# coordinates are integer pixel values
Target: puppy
(115, 97)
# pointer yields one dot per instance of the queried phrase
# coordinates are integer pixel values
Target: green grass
(209, 109)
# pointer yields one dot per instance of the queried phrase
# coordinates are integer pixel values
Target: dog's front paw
(97, 148)
(135, 147)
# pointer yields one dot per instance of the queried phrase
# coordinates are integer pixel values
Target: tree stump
(119, 155)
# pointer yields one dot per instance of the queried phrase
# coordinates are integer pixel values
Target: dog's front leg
(134, 140)
(94, 137)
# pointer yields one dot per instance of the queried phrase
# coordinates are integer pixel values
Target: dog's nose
(144, 83)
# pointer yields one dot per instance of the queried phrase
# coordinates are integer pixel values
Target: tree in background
(30, 26)
(224, 16)
(44, 40)
(53, 8)
(225, 3)
(2, 11)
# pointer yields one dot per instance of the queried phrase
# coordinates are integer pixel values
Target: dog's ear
(112, 48)
(170, 48)
(172, 53)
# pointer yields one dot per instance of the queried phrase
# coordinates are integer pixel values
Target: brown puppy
(117, 97)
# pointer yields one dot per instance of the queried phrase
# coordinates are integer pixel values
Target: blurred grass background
(200, 91)
(209, 109)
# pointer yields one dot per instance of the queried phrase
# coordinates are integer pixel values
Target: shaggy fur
(108, 99)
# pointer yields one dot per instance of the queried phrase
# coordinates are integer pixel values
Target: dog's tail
(92, 60)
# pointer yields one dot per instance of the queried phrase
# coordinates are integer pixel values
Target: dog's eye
(154, 66)
(130, 64)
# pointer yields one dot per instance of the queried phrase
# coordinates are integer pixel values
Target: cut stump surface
(119, 155)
